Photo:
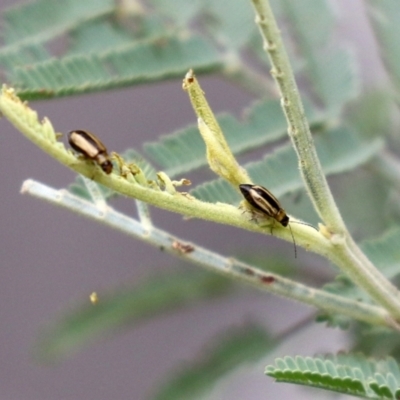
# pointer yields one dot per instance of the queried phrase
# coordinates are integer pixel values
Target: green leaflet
(129, 305)
(339, 150)
(140, 62)
(352, 374)
(228, 351)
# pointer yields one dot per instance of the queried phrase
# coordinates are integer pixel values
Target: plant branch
(43, 135)
(224, 265)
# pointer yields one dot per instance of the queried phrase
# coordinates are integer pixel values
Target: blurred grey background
(51, 258)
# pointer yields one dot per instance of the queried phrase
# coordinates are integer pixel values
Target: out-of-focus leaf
(331, 71)
(338, 149)
(180, 11)
(141, 62)
(106, 34)
(352, 374)
(371, 114)
(231, 22)
(85, 322)
(43, 20)
(384, 17)
(22, 55)
(98, 36)
(228, 351)
(263, 123)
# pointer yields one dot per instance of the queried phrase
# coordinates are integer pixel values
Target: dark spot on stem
(267, 279)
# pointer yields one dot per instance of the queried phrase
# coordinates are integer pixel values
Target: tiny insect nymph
(263, 200)
(91, 147)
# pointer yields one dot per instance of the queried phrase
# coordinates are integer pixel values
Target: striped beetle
(263, 200)
(91, 147)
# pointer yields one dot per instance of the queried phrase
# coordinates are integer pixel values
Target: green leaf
(384, 253)
(43, 20)
(384, 17)
(129, 305)
(141, 62)
(263, 123)
(352, 374)
(339, 150)
(228, 351)
(331, 71)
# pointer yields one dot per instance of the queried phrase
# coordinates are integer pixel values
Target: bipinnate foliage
(352, 374)
(108, 45)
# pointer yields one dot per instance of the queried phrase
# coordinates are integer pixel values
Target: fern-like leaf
(352, 374)
(141, 62)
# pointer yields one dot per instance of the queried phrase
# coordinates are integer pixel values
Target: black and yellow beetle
(263, 200)
(91, 147)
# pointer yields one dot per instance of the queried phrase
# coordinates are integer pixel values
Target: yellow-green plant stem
(44, 136)
(345, 253)
(219, 155)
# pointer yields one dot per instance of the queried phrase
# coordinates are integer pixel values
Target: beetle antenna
(294, 242)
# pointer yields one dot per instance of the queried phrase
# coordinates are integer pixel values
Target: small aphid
(91, 147)
(263, 200)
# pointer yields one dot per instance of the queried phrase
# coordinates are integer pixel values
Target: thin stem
(298, 128)
(144, 214)
(225, 265)
(94, 192)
